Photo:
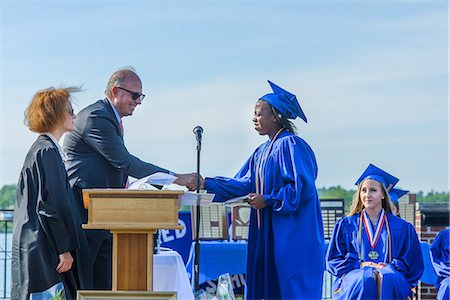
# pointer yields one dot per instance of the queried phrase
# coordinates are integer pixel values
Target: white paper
(190, 198)
(237, 201)
(158, 178)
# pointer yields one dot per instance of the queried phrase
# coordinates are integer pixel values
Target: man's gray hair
(118, 78)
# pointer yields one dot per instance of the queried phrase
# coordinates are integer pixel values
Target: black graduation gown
(45, 223)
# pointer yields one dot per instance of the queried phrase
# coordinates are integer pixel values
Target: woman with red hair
(45, 230)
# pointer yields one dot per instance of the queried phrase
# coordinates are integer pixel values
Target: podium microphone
(198, 130)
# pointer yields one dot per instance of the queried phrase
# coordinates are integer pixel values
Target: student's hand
(65, 262)
(188, 180)
(372, 264)
(380, 265)
(367, 264)
(256, 200)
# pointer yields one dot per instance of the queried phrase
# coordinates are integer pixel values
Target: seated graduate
(285, 243)
(372, 253)
(396, 194)
(45, 227)
(440, 256)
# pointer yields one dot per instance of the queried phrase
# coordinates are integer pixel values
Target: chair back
(428, 276)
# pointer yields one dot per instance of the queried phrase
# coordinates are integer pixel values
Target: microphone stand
(197, 229)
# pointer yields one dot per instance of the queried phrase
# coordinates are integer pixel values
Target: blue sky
(371, 76)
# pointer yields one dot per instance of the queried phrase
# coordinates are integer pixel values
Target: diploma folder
(237, 201)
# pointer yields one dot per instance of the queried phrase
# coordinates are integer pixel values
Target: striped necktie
(121, 126)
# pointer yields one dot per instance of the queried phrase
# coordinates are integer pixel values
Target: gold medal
(373, 238)
(373, 254)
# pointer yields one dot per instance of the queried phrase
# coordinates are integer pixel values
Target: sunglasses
(134, 95)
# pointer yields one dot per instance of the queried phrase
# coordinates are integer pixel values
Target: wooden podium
(132, 216)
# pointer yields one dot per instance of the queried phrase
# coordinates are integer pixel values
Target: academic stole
(374, 236)
(260, 170)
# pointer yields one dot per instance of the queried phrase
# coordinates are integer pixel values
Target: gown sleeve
(440, 254)
(298, 169)
(341, 256)
(53, 206)
(408, 260)
(225, 188)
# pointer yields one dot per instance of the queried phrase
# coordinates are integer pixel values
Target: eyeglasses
(134, 95)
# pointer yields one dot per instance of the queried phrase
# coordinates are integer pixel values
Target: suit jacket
(96, 153)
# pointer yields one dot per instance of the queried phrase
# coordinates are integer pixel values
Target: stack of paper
(146, 183)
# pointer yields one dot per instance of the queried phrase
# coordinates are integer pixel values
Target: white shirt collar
(115, 111)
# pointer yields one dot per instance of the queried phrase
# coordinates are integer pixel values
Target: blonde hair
(46, 109)
(357, 205)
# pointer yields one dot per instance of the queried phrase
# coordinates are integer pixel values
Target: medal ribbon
(373, 239)
(261, 167)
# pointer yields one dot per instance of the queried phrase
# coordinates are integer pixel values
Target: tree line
(338, 192)
(8, 195)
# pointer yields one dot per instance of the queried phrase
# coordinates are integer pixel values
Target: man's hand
(189, 180)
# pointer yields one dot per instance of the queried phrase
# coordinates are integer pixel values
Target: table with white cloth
(169, 275)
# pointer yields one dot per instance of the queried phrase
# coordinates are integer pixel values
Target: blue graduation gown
(440, 257)
(285, 252)
(345, 253)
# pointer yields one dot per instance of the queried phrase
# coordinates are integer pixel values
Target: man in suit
(97, 158)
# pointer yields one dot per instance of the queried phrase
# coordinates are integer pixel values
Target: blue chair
(428, 276)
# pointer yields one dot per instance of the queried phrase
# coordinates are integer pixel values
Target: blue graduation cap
(396, 194)
(285, 102)
(375, 173)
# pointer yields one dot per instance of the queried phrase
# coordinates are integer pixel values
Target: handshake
(189, 180)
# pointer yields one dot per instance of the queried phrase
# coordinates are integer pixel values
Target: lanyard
(261, 167)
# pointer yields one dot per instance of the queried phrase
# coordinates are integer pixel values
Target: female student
(372, 253)
(285, 244)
